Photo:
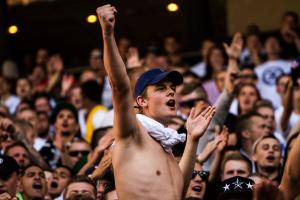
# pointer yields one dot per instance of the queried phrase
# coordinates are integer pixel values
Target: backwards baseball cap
(63, 106)
(154, 76)
(236, 187)
(8, 165)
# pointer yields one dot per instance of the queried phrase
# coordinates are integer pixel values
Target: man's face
(246, 98)
(96, 59)
(101, 184)
(29, 116)
(160, 102)
(76, 98)
(269, 117)
(267, 153)
(220, 80)
(42, 105)
(33, 183)
(216, 60)
(59, 181)
(23, 88)
(272, 46)
(20, 155)
(80, 188)
(259, 127)
(9, 185)
(247, 76)
(197, 185)
(77, 150)
(66, 123)
(234, 168)
(43, 125)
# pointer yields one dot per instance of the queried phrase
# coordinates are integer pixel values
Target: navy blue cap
(154, 76)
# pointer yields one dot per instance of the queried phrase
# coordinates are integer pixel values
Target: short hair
(81, 179)
(16, 144)
(80, 197)
(292, 14)
(259, 140)
(67, 168)
(30, 165)
(244, 123)
(39, 95)
(92, 90)
(236, 157)
(263, 104)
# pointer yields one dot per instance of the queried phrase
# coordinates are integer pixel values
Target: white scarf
(167, 137)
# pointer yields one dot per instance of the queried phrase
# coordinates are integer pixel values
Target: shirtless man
(143, 169)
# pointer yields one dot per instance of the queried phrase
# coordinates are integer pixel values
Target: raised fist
(106, 16)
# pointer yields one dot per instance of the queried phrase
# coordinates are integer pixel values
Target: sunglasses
(5, 136)
(77, 153)
(190, 103)
(203, 174)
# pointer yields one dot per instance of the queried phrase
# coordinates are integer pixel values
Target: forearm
(290, 182)
(187, 161)
(114, 64)
(222, 108)
(214, 169)
(287, 111)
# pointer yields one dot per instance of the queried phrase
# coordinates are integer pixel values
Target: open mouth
(54, 184)
(171, 103)
(197, 188)
(37, 186)
(270, 158)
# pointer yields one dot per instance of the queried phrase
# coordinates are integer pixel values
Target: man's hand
(222, 136)
(6, 196)
(234, 50)
(198, 122)
(106, 15)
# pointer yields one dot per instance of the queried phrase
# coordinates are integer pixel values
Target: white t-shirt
(267, 73)
(12, 103)
(294, 118)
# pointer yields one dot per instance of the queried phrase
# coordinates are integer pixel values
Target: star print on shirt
(238, 184)
(249, 185)
(226, 187)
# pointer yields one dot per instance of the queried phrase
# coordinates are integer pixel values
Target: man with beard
(61, 177)
(146, 135)
(9, 171)
(267, 157)
(33, 183)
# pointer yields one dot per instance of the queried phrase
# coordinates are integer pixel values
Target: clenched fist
(106, 16)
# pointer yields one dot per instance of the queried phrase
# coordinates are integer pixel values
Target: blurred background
(70, 27)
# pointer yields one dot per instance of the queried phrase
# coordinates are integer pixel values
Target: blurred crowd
(56, 127)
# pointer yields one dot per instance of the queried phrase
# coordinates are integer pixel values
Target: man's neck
(270, 172)
(4, 97)
(60, 139)
(247, 147)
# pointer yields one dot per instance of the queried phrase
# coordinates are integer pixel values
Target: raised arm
(287, 108)
(196, 125)
(125, 123)
(290, 182)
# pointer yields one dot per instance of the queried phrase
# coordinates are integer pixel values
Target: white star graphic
(238, 184)
(226, 187)
(249, 186)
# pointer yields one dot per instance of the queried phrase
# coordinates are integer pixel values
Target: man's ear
(141, 102)
(246, 134)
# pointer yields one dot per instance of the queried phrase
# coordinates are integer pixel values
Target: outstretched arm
(290, 182)
(125, 123)
(196, 125)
